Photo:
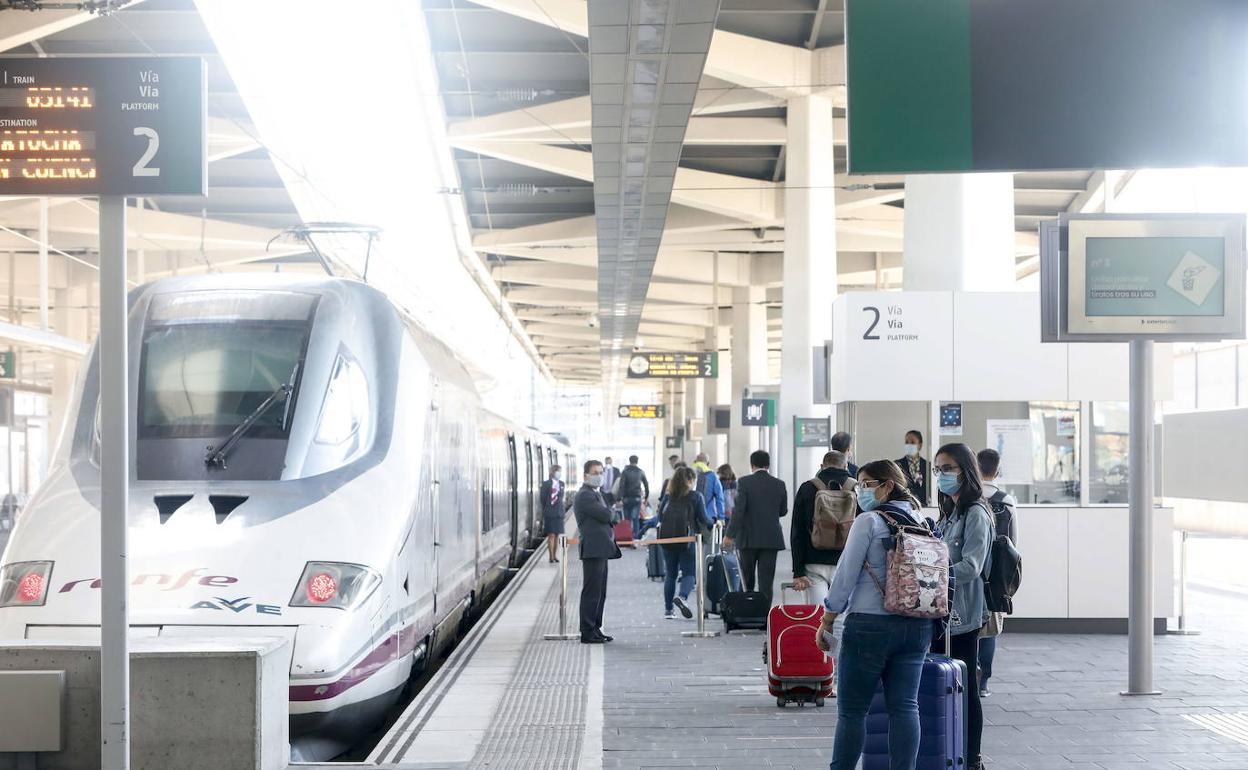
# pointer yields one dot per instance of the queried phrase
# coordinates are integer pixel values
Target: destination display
(1148, 276)
(642, 411)
(673, 365)
(102, 126)
(812, 432)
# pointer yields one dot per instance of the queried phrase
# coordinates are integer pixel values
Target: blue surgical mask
(867, 500)
(948, 483)
(912, 450)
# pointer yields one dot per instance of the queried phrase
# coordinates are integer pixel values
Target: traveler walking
(914, 465)
(876, 644)
(1002, 504)
(814, 567)
(762, 500)
(684, 515)
(610, 474)
(844, 442)
(630, 489)
(553, 511)
(728, 480)
(593, 519)
(966, 528)
(709, 487)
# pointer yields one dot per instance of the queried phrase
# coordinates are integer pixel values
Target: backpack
(833, 515)
(916, 583)
(703, 483)
(676, 518)
(1005, 573)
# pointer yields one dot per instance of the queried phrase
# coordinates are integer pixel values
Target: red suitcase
(797, 670)
(623, 531)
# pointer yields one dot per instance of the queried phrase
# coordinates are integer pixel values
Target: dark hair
(554, 468)
(972, 490)
(989, 461)
(916, 434)
(759, 458)
(887, 470)
(673, 457)
(632, 459)
(841, 441)
(726, 473)
(590, 464)
(835, 459)
(681, 483)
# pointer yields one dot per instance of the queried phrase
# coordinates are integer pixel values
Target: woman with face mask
(966, 528)
(914, 465)
(874, 640)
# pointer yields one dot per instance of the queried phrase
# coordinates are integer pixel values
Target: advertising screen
(1155, 276)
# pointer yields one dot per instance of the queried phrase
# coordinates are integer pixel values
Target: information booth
(971, 368)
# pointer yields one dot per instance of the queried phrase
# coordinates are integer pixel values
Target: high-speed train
(306, 462)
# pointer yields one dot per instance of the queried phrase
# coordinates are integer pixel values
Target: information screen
(674, 365)
(641, 411)
(111, 126)
(1164, 276)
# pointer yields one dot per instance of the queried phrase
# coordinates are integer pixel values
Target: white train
(307, 463)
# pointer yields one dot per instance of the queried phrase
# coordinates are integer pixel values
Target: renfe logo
(236, 606)
(157, 579)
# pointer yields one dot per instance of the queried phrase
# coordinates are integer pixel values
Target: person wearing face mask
(914, 465)
(593, 520)
(876, 643)
(966, 527)
(553, 512)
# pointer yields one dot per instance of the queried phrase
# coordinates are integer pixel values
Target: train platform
(510, 699)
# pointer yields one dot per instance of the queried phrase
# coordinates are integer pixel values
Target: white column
(809, 272)
(716, 394)
(693, 390)
(749, 367)
(959, 232)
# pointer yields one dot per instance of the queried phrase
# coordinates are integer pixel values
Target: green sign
(812, 432)
(758, 412)
(1011, 85)
(8, 365)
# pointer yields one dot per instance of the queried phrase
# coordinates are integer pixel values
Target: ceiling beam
(23, 27)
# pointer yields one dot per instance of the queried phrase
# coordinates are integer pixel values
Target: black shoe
(592, 640)
(604, 638)
(684, 608)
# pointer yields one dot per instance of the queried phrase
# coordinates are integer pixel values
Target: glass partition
(1107, 478)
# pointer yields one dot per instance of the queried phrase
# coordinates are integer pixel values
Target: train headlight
(331, 584)
(24, 583)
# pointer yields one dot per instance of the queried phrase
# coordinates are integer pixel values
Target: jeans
(632, 512)
(987, 651)
(880, 646)
(677, 556)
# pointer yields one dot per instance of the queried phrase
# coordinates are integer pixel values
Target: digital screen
(113, 126)
(641, 411)
(1155, 276)
(675, 365)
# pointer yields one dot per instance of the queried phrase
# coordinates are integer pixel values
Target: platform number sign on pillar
(110, 127)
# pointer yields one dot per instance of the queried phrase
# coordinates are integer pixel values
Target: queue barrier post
(1182, 630)
(563, 634)
(700, 583)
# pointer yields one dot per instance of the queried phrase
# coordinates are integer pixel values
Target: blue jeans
(678, 556)
(987, 651)
(632, 512)
(874, 647)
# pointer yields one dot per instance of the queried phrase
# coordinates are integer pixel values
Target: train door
(528, 491)
(513, 500)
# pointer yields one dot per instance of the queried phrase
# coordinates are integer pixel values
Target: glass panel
(204, 379)
(1242, 355)
(1055, 454)
(1184, 381)
(1111, 422)
(1215, 378)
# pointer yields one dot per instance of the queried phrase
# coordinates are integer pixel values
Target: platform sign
(642, 411)
(672, 442)
(8, 365)
(1154, 277)
(102, 126)
(758, 412)
(812, 432)
(659, 365)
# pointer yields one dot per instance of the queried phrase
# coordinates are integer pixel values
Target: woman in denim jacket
(966, 528)
(877, 645)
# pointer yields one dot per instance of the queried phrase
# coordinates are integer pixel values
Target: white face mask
(558, 475)
(912, 450)
(594, 480)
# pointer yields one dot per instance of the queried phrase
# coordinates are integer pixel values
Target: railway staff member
(553, 512)
(593, 519)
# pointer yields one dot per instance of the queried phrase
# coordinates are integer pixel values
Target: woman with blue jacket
(966, 528)
(877, 644)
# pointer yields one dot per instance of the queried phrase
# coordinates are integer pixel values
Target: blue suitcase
(942, 719)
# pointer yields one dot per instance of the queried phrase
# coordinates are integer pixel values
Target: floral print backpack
(916, 583)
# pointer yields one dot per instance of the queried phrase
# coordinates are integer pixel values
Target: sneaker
(670, 615)
(984, 692)
(684, 608)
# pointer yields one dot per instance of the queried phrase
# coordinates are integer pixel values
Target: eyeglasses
(870, 484)
(946, 469)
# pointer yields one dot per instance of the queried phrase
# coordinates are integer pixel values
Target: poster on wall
(1066, 426)
(1012, 440)
(951, 419)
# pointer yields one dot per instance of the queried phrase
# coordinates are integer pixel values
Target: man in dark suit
(762, 500)
(593, 519)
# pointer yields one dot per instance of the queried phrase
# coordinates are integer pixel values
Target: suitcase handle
(783, 587)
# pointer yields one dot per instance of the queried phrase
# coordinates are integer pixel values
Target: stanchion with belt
(699, 582)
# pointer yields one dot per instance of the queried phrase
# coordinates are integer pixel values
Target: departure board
(673, 365)
(641, 411)
(102, 126)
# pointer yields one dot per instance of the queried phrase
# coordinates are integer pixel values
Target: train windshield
(211, 359)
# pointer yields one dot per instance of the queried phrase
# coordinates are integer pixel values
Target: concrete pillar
(959, 232)
(749, 367)
(716, 395)
(810, 277)
(692, 391)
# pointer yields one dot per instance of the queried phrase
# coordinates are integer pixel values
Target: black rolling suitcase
(723, 572)
(656, 568)
(743, 610)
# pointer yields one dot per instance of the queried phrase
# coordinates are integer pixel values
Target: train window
(345, 413)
